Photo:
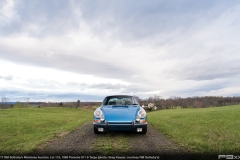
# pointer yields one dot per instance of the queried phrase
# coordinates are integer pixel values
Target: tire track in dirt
(83, 141)
(78, 142)
(153, 143)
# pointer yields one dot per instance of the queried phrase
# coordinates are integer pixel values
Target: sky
(67, 50)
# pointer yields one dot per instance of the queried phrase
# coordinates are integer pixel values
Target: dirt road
(84, 142)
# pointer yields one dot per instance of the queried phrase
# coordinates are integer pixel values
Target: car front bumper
(120, 126)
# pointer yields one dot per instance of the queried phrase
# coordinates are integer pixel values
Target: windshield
(119, 100)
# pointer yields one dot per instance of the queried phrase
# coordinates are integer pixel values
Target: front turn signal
(143, 121)
(96, 120)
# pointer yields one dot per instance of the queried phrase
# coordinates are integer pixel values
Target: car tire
(144, 131)
(95, 130)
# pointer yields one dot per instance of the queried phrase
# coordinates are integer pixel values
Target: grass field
(22, 130)
(205, 130)
(109, 144)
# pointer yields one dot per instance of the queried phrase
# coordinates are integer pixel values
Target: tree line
(190, 102)
(158, 101)
(5, 104)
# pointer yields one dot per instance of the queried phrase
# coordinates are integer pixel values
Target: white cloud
(7, 9)
(109, 48)
(9, 77)
(47, 79)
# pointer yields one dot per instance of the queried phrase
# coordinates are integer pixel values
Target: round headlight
(142, 113)
(97, 113)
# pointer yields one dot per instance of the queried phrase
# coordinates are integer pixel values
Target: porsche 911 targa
(120, 113)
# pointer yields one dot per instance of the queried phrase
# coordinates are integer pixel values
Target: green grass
(111, 143)
(22, 130)
(205, 130)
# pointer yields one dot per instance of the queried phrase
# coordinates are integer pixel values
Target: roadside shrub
(18, 105)
(148, 109)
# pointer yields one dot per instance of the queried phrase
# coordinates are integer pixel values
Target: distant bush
(148, 109)
(70, 105)
(18, 105)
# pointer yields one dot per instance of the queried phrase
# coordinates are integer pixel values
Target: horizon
(12, 102)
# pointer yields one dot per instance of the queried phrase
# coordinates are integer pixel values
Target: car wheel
(95, 130)
(144, 131)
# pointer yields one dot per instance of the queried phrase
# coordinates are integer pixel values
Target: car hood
(120, 113)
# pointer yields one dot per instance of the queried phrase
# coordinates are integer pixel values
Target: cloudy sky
(65, 50)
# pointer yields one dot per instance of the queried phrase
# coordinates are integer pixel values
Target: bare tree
(27, 102)
(4, 101)
(78, 103)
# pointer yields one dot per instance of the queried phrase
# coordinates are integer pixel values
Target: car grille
(120, 125)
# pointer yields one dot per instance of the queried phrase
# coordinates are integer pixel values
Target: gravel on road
(78, 142)
(83, 142)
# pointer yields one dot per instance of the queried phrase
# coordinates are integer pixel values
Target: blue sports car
(120, 113)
